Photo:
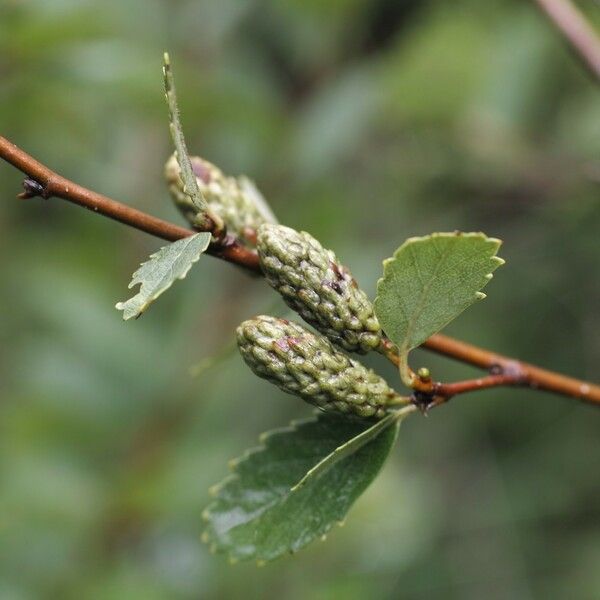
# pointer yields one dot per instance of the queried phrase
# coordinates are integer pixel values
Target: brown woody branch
(523, 374)
(504, 371)
(573, 26)
(448, 390)
(42, 181)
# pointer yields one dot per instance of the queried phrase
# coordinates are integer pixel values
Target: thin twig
(51, 184)
(504, 370)
(448, 390)
(514, 371)
(528, 375)
(576, 30)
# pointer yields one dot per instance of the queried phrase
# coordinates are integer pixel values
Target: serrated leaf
(257, 516)
(351, 446)
(170, 263)
(430, 280)
(190, 185)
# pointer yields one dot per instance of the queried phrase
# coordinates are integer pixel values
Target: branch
(46, 183)
(525, 374)
(576, 30)
(448, 390)
(503, 371)
(42, 181)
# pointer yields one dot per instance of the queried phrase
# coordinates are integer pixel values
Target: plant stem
(53, 185)
(505, 371)
(406, 374)
(447, 390)
(580, 35)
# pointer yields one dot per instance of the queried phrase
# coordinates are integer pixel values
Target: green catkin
(308, 365)
(320, 289)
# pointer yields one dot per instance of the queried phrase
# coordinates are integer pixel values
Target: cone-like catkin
(318, 287)
(235, 200)
(309, 366)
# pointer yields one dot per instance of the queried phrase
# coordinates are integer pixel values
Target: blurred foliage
(364, 122)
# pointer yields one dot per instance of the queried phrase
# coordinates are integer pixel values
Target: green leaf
(351, 446)
(256, 515)
(190, 185)
(430, 280)
(160, 272)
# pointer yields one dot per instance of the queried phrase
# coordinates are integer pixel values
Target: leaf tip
(205, 538)
(127, 315)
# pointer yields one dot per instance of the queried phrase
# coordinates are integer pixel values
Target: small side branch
(573, 26)
(448, 390)
(503, 371)
(525, 374)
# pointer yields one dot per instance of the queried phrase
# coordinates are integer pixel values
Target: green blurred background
(363, 122)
